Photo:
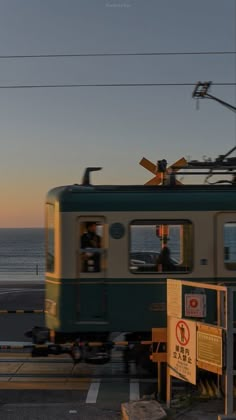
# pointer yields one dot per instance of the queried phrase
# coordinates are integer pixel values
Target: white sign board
(195, 305)
(174, 298)
(181, 349)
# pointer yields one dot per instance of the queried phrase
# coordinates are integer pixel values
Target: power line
(74, 85)
(9, 57)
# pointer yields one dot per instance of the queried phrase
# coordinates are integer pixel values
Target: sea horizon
(22, 254)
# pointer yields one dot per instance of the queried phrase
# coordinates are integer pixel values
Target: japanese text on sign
(174, 298)
(182, 349)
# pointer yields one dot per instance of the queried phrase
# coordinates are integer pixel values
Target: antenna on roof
(86, 176)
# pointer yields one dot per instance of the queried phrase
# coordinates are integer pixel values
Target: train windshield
(91, 246)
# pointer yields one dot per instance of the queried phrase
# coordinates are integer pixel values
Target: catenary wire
(22, 56)
(75, 85)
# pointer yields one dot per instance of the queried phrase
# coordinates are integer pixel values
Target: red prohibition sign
(182, 333)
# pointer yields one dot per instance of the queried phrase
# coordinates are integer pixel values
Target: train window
(91, 251)
(50, 245)
(160, 245)
(230, 245)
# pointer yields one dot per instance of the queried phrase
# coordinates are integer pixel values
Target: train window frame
(229, 265)
(100, 221)
(140, 267)
(50, 238)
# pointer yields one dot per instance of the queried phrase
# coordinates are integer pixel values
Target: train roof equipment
(222, 165)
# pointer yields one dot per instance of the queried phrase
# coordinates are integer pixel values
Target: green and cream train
(127, 293)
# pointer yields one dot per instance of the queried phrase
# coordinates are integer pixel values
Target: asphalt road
(47, 404)
(26, 296)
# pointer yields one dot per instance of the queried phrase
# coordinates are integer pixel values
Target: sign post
(192, 343)
(209, 348)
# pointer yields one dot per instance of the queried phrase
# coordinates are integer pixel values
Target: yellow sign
(174, 298)
(181, 349)
(209, 352)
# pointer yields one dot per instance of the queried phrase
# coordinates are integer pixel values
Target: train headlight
(50, 307)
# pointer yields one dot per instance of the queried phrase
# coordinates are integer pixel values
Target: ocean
(22, 254)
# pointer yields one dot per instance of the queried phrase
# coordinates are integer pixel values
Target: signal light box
(195, 305)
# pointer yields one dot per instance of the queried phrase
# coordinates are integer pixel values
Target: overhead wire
(71, 55)
(75, 85)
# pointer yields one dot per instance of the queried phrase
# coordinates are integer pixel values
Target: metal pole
(168, 376)
(159, 384)
(168, 387)
(221, 322)
(229, 406)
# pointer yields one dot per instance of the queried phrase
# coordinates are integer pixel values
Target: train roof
(77, 197)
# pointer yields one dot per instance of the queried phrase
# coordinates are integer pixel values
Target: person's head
(91, 226)
(165, 252)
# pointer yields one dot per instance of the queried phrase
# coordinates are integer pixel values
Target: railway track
(19, 370)
(94, 383)
(22, 365)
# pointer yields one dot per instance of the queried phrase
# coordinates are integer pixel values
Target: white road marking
(93, 392)
(134, 393)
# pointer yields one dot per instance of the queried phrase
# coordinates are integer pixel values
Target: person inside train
(164, 262)
(90, 239)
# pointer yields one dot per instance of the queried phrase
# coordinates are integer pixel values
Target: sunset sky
(49, 135)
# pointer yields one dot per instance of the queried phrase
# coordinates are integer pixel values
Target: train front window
(91, 247)
(50, 243)
(161, 246)
(230, 245)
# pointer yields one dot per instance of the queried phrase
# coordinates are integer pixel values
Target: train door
(92, 302)
(225, 251)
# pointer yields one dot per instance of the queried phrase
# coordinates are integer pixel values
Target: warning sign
(181, 357)
(195, 305)
(182, 333)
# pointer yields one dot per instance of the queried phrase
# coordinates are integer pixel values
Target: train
(127, 292)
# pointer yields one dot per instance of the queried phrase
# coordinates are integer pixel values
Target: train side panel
(123, 296)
